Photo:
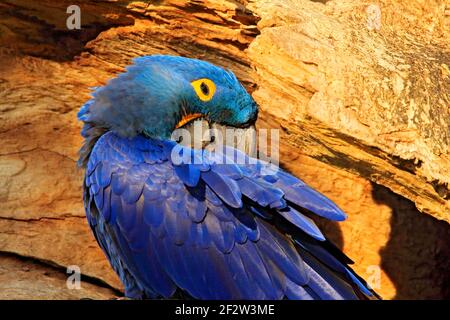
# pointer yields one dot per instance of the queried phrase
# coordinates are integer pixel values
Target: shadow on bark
(417, 255)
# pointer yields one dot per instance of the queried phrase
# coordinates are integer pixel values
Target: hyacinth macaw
(208, 230)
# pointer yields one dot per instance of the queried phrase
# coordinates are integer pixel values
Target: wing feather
(210, 230)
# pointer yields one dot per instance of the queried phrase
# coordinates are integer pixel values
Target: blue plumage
(204, 230)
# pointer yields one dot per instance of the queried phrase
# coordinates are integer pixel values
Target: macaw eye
(204, 88)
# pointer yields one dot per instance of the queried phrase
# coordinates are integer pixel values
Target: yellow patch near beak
(188, 118)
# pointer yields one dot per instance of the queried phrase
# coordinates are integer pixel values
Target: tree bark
(363, 114)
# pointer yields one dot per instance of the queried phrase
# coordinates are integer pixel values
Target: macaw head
(158, 94)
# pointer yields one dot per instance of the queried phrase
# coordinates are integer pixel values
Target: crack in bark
(60, 44)
(60, 269)
(37, 149)
(63, 217)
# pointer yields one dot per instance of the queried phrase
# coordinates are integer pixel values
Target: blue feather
(212, 198)
(325, 282)
(321, 287)
(177, 222)
(98, 198)
(133, 191)
(226, 188)
(222, 233)
(230, 170)
(303, 222)
(196, 207)
(296, 292)
(153, 212)
(305, 197)
(106, 210)
(361, 286)
(189, 174)
(284, 256)
(118, 183)
(255, 267)
(259, 191)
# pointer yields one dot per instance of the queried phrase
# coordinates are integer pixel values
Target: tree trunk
(362, 104)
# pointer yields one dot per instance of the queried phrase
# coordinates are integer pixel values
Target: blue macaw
(199, 230)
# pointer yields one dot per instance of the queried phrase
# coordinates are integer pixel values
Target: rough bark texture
(364, 117)
(27, 279)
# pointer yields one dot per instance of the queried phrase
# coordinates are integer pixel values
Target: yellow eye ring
(204, 88)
